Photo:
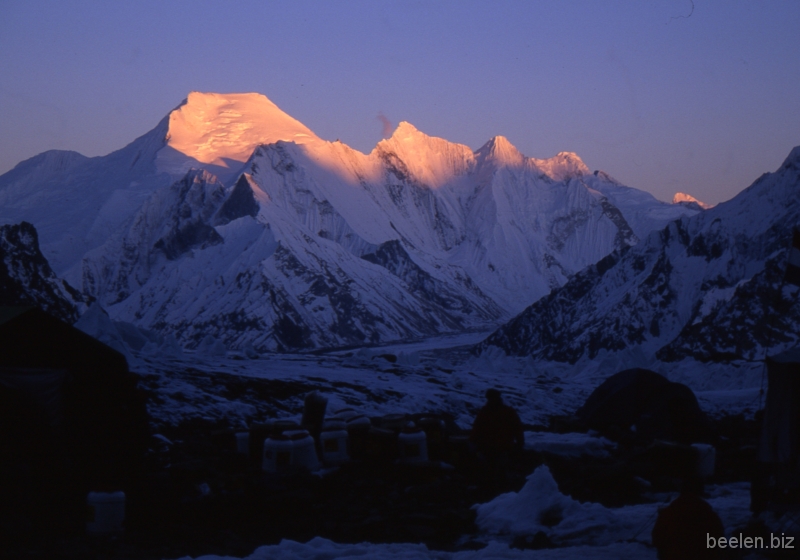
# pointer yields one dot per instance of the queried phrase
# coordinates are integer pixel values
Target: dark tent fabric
(776, 478)
(639, 397)
(71, 417)
(41, 388)
(780, 430)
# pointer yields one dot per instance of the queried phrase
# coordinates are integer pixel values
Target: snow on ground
(570, 445)
(323, 549)
(540, 506)
(442, 376)
(580, 530)
(437, 375)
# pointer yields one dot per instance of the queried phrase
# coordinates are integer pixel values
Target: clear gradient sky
(673, 95)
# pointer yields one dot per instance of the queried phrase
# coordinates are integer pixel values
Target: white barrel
(106, 512)
(413, 446)
(277, 453)
(345, 414)
(304, 451)
(394, 422)
(706, 459)
(243, 442)
(359, 422)
(334, 424)
(333, 445)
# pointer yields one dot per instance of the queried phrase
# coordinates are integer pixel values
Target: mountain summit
(222, 130)
(683, 198)
(232, 219)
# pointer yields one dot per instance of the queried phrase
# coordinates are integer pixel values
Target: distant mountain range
(234, 220)
(708, 286)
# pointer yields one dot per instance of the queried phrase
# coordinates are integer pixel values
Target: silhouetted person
(684, 528)
(497, 433)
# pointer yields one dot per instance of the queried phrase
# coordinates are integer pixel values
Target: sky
(667, 95)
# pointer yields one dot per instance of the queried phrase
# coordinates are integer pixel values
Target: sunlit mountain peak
(687, 198)
(432, 160)
(563, 166)
(221, 129)
(406, 131)
(500, 151)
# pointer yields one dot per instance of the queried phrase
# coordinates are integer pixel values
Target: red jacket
(497, 429)
(683, 528)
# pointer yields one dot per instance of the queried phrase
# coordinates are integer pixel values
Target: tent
(778, 470)
(71, 417)
(639, 397)
(780, 430)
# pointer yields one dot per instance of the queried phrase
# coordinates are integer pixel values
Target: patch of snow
(540, 506)
(319, 548)
(570, 444)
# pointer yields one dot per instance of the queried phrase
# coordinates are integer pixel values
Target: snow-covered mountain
(689, 200)
(231, 218)
(707, 286)
(27, 279)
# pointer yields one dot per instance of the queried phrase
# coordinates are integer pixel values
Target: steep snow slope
(498, 216)
(705, 286)
(289, 241)
(643, 212)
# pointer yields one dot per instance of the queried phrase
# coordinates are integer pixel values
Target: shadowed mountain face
(27, 279)
(232, 219)
(709, 287)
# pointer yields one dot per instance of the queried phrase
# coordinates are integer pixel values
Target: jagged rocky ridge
(307, 243)
(708, 287)
(27, 279)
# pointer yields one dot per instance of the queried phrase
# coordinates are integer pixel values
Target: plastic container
(413, 445)
(106, 512)
(357, 432)
(345, 414)
(358, 422)
(706, 459)
(304, 451)
(277, 427)
(434, 429)
(278, 450)
(333, 446)
(334, 424)
(395, 422)
(314, 407)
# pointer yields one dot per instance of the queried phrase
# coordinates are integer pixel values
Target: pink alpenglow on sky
(671, 96)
